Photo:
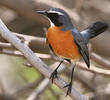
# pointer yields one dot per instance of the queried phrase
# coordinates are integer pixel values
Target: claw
(69, 88)
(54, 75)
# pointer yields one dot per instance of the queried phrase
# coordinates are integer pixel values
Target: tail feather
(94, 30)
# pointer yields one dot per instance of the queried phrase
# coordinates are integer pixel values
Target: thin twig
(80, 77)
(36, 93)
(95, 70)
(26, 87)
(35, 61)
(82, 66)
(43, 85)
(99, 60)
(6, 45)
(41, 41)
(11, 53)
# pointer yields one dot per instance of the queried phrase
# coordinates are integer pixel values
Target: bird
(67, 42)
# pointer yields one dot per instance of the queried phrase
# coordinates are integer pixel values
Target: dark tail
(94, 30)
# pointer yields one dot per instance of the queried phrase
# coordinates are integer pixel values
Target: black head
(57, 16)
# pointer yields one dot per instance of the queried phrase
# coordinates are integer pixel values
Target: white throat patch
(51, 23)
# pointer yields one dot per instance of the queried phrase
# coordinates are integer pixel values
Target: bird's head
(57, 17)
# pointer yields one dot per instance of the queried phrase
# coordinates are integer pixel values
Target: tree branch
(99, 60)
(82, 66)
(42, 86)
(26, 87)
(35, 61)
(94, 70)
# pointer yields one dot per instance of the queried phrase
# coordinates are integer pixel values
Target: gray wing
(83, 49)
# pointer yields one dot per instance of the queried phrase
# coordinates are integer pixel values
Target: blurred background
(18, 80)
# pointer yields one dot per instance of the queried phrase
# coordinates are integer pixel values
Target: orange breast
(63, 43)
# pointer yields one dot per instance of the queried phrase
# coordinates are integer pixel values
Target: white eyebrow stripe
(56, 12)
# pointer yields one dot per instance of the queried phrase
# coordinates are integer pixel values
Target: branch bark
(95, 70)
(35, 61)
(99, 60)
(42, 86)
(26, 87)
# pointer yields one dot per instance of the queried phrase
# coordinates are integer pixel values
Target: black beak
(42, 12)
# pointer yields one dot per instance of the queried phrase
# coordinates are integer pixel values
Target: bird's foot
(54, 75)
(69, 88)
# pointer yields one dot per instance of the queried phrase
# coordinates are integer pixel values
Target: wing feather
(83, 49)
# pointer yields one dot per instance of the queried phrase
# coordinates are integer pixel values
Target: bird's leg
(70, 84)
(54, 73)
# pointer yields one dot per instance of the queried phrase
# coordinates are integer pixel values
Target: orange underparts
(63, 43)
